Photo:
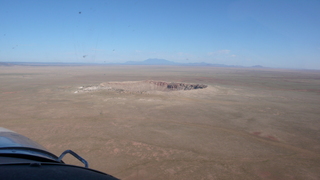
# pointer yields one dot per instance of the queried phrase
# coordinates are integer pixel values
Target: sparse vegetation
(246, 124)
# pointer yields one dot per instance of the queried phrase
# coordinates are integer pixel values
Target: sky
(270, 33)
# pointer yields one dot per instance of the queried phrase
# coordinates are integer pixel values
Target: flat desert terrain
(246, 124)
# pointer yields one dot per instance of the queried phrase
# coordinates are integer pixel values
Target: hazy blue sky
(272, 33)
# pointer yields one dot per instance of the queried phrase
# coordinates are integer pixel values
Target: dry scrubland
(247, 124)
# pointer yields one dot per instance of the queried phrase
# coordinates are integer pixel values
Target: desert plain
(248, 123)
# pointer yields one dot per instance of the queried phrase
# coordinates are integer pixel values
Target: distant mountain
(151, 62)
(166, 62)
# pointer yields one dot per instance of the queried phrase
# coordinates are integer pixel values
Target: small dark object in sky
(79, 12)
(84, 56)
(113, 49)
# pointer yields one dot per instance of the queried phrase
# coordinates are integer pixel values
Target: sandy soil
(247, 124)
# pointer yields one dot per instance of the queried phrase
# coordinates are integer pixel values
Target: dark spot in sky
(4, 34)
(79, 12)
(84, 56)
(113, 49)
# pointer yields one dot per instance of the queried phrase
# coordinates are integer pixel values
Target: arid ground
(247, 124)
